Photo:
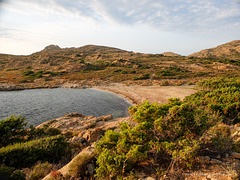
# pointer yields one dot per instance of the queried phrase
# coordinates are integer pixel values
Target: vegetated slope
(229, 50)
(94, 63)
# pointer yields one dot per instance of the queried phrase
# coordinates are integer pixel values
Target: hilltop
(229, 50)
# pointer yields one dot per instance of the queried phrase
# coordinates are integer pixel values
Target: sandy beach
(159, 94)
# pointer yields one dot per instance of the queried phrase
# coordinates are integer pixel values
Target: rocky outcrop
(51, 48)
(84, 125)
(9, 87)
(85, 130)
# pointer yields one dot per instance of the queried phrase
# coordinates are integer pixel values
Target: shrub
(165, 83)
(52, 131)
(40, 170)
(18, 175)
(25, 154)
(142, 77)
(12, 130)
(27, 73)
(166, 133)
(223, 97)
(117, 70)
(10, 173)
(219, 139)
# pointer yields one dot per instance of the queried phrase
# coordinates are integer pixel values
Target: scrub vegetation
(171, 135)
(98, 63)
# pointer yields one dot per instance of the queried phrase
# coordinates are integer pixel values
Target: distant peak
(51, 48)
(170, 54)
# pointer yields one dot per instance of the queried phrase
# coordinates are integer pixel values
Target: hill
(229, 50)
(90, 65)
(170, 54)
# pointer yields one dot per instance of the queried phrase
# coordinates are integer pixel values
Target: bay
(40, 105)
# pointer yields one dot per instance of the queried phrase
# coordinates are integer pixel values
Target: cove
(40, 105)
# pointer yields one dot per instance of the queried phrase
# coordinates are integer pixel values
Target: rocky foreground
(84, 131)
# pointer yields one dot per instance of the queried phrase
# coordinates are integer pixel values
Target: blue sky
(147, 26)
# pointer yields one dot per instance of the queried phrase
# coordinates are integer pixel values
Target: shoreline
(135, 94)
(159, 94)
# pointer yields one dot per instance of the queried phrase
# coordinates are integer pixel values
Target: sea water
(40, 105)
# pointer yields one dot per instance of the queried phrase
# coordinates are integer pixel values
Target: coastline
(135, 94)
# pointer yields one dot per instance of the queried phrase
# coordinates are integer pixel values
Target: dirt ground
(158, 94)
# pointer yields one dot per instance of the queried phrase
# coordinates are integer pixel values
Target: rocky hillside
(53, 65)
(229, 50)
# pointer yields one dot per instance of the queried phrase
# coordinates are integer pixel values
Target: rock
(204, 159)
(236, 155)
(74, 115)
(105, 118)
(93, 135)
(78, 162)
(235, 134)
(76, 139)
(90, 168)
(215, 161)
(149, 178)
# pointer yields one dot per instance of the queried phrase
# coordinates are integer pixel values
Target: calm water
(40, 105)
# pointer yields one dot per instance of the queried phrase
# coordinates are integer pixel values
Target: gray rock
(90, 168)
(204, 159)
(215, 161)
(236, 155)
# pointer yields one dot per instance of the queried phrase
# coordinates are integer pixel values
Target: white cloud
(174, 15)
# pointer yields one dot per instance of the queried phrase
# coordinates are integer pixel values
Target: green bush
(40, 170)
(9, 173)
(142, 77)
(52, 131)
(26, 154)
(219, 139)
(27, 73)
(12, 130)
(166, 133)
(223, 97)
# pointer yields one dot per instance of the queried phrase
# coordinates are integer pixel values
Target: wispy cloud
(174, 15)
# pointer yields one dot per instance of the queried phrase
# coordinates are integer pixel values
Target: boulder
(90, 168)
(236, 155)
(204, 159)
(93, 134)
(76, 140)
(215, 161)
(79, 162)
(74, 115)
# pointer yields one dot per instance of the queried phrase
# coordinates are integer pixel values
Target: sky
(146, 26)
